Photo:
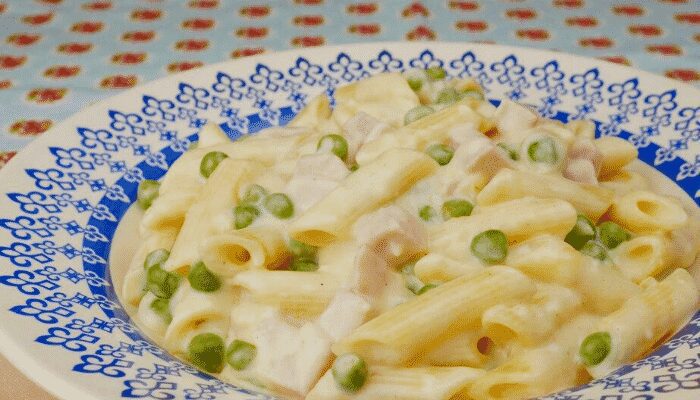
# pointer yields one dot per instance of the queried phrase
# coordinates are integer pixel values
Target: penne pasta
(403, 332)
(365, 190)
(249, 248)
(296, 293)
(645, 318)
(508, 184)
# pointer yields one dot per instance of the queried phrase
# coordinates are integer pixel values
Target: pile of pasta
(412, 241)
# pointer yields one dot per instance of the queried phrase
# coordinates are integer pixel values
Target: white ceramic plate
(63, 196)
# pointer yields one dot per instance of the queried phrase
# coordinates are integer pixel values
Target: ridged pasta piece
(369, 96)
(528, 374)
(645, 318)
(365, 190)
(531, 322)
(604, 288)
(436, 268)
(547, 258)
(211, 134)
(403, 332)
(642, 257)
(513, 119)
(582, 129)
(196, 312)
(168, 211)
(427, 383)
(508, 184)
(211, 213)
(519, 219)
(624, 181)
(458, 349)
(297, 293)
(254, 247)
(316, 110)
(418, 135)
(643, 211)
(616, 153)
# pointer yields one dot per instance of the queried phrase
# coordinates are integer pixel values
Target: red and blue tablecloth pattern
(58, 56)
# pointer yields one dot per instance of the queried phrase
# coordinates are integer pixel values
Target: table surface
(59, 56)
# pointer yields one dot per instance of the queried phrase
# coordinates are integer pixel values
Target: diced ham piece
(479, 155)
(513, 118)
(315, 176)
(346, 312)
(361, 129)
(393, 233)
(290, 359)
(583, 162)
(369, 277)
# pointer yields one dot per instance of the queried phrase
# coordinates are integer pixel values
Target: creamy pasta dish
(411, 241)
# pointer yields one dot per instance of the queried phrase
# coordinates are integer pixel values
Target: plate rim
(60, 384)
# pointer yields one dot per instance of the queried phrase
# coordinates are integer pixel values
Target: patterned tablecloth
(58, 56)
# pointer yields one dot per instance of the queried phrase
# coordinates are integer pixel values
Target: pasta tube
(405, 331)
(646, 318)
(518, 219)
(508, 184)
(298, 293)
(366, 189)
(254, 247)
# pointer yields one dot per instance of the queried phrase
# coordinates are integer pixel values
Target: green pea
(202, 279)
(240, 354)
(354, 167)
(427, 213)
(612, 234)
(302, 250)
(244, 215)
(490, 246)
(303, 265)
(543, 151)
(415, 83)
(426, 288)
(349, 372)
(447, 96)
(147, 193)
(456, 208)
(471, 93)
(410, 279)
(279, 205)
(594, 250)
(156, 257)
(336, 144)
(162, 308)
(161, 283)
(210, 161)
(417, 113)
(511, 152)
(581, 233)
(440, 153)
(254, 194)
(206, 351)
(436, 73)
(595, 347)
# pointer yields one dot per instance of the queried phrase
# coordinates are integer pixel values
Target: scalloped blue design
(56, 258)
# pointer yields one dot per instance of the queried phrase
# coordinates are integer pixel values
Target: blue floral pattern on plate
(55, 233)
